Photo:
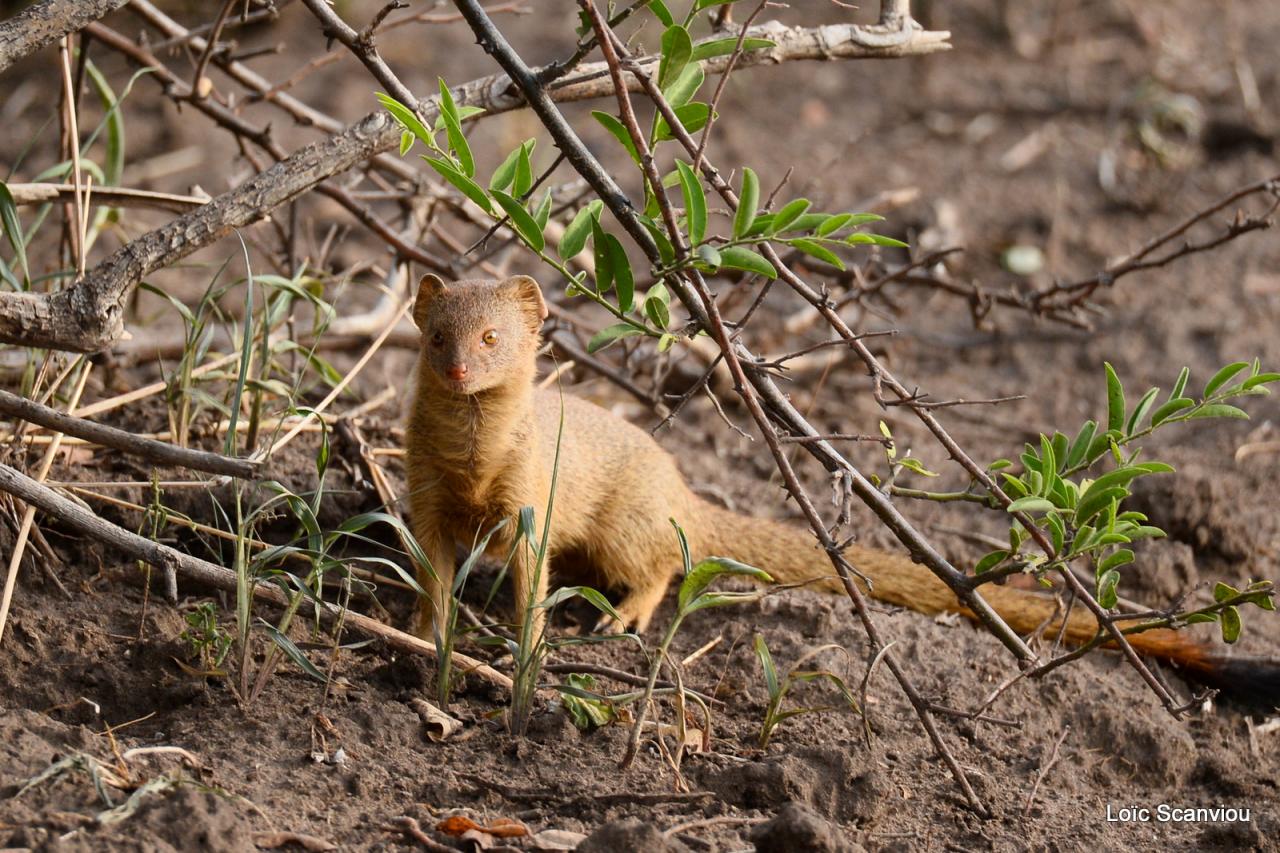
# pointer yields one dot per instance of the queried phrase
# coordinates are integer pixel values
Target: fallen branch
(210, 574)
(159, 452)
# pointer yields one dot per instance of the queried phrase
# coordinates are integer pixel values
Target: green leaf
(524, 223)
(661, 11)
(766, 663)
(603, 259)
(1219, 410)
(1140, 411)
(406, 141)
(586, 709)
(1231, 625)
(1121, 557)
(913, 464)
(1080, 444)
(748, 203)
(1261, 379)
(13, 228)
(505, 174)
(1057, 532)
(453, 128)
(677, 50)
(656, 305)
(693, 117)
(1198, 618)
(706, 571)
(587, 594)
(724, 599)
(523, 181)
(1091, 505)
(1222, 592)
(619, 131)
(468, 187)
(294, 653)
(407, 118)
(990, 561)
(790, 212)
(1107, 596)
(623, 280)
(695, 203)
(575, 236)
(817, 250)
(609, 334)
(1172, 407)
(1222, 376)
(685, 86)
(1032, 503)
(1115, 400)
(724, 47)
(739, 258)
(113, 165)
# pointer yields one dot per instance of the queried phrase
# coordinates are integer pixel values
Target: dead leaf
(459, 825)
(439, 725)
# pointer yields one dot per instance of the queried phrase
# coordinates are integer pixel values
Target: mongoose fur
(481, 444)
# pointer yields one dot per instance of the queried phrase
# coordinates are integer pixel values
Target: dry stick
(199, 90)
(73, 131)
(159, 452)
(1044, 770)
(44, 23)
(147, 390)
(210, 574)
(29, 514)
(89, 316)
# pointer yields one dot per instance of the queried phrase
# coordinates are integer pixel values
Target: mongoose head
(478, 334)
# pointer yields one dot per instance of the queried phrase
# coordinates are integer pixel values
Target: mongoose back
(482, 443)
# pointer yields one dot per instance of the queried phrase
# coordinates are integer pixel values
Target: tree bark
(44, 23)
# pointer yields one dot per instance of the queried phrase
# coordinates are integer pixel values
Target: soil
(1004, 138)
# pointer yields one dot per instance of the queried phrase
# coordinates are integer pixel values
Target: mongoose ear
(429, 288)
(530, 295)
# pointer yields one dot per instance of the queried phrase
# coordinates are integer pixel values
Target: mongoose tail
(791, 555)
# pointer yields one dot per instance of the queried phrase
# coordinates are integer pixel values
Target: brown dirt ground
(73, 667)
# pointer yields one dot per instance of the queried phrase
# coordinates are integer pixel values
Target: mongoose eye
(490, 337)
(438, 339)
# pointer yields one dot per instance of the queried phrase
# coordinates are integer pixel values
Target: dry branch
(201, 571)
(159, 452)
(44, 23)
(90, 315)
(113, 196)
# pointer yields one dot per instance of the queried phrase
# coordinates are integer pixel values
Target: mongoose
(482, 443)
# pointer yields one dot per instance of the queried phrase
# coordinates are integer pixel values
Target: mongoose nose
(456, 372)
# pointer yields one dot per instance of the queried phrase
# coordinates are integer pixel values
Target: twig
(1045, 767)
(159, 452)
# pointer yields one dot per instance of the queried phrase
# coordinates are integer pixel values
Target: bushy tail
(791, 555)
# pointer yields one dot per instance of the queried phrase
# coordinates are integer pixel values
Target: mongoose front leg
(636, 609)
(433, 611)
(529, 581)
